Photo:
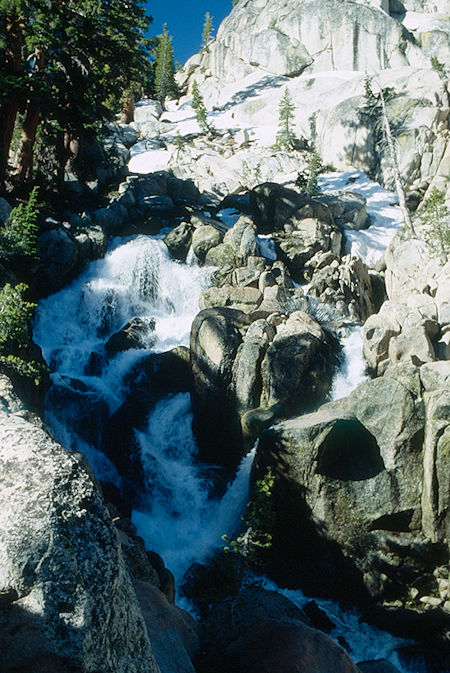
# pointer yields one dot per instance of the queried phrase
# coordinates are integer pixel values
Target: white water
(353, 369)
(181, 520)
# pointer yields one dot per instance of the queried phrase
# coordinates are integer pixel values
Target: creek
(179, 516)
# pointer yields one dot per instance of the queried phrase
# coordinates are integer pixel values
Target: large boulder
(350, 479)
(259, 630)
(178, 241)
(346, 286)
(215, 337)
(67, 600)
(296, 366)
(204, 239)
(172, 631)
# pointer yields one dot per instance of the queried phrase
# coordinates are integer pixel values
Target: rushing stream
(181, 520)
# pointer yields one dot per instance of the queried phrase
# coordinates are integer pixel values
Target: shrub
(18, 237)
(15, 314)
(307, 179)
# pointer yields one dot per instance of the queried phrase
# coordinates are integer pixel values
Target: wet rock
(84, 410)
(135, 334)
(178, 241)
(172, 631)
(377, 666)
(58, 255)
(215, 338)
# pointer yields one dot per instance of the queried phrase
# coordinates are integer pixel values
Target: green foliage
(201, 114)
(436, 219)
(18, 237)
(258, 523)
(180, 144)
(90, 52)
(436, 64)
(286, 139)
(15, 314)
(165, 84)
(207, 29)
(307, 179)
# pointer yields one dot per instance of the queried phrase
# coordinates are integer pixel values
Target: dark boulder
(259, 630)
(178, 241)
(135, 334)
(215, 338)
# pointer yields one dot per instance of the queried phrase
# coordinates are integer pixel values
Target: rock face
(321, 52)
(364, 493)
(67, 601)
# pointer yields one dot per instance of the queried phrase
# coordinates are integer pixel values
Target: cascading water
(182, 519)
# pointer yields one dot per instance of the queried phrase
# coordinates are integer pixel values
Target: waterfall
(182, 518)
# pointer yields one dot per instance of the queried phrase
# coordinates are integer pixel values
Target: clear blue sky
(185, 22)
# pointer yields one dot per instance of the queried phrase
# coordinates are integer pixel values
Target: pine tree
(207, 30)
(201, 113)
(285, 137)
(165, 84)
(56, 60)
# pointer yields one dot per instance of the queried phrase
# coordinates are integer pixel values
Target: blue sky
(185, 21)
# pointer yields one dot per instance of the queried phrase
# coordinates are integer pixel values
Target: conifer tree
(57, 61)
(285, 136)
(207, 30)
(201, 113)
(165, 84)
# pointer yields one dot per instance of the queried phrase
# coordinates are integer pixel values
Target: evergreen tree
(285, 137)
(201, 113)
(56, 59)
(207, 30)
(165, 84)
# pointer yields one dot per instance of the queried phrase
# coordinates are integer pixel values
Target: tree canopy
(64, 67)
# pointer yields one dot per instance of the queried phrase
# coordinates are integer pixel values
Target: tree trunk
(9, 110)
(29, 128)
(26, 152)
(127, 115)
(395, 169)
